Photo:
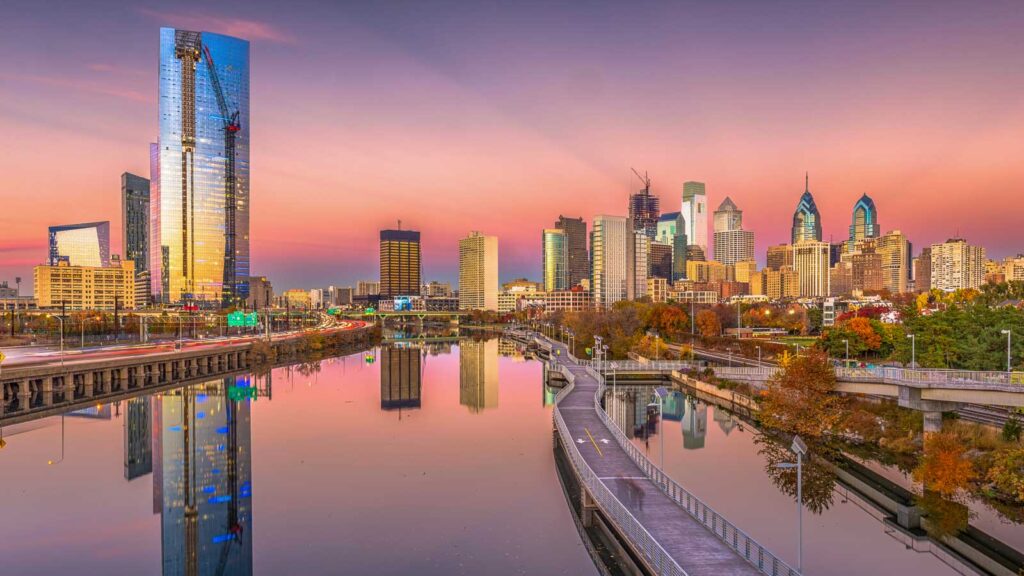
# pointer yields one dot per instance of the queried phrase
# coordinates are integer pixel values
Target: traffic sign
(2, 357)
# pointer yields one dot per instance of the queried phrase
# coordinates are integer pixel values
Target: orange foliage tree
(863, 329)
(800, 397)
(944, 468)
(708, 324)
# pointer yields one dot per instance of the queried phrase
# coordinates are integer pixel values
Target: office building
(706, 271)
(778, 256)
(578, 267)
(478, 272)
(608, 247)
(865, 221)
(659, 261)
(85, 244)
(338, 295)
(555, 259)
(261, 293)
(957, 265)
(636, 272)
(644, 210)
(732, 243)
(776, 284)
(867, 269)
(657, 289)
(806, 219)
(1013, 268)
(741, 271)
(297, 298)
(840, 278)
(695, 253)
(896, 263)
(199, 191)
(478, 374)
(810, 260)
(135, 220)
(923, 270)
(400, 264)
(86, 287)
(667, 225)
(695, 213)
(367, 288)
(680, 250)
(574, 300)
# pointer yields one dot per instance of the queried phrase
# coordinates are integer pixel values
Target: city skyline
(350, 146)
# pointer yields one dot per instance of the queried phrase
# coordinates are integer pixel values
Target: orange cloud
(237, 27)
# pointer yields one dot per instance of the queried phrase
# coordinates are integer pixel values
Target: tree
(862, 329)
(669, 320)
(944, 468)
(708, 324)
(800, 398)
(1007, 472)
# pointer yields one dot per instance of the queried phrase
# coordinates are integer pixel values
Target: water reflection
(204, 478)
(401, 377)
(478, 374)
(138, 442)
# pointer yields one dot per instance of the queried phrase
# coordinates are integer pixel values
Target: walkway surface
(696, 549)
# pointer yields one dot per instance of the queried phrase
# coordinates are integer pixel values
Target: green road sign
(239, 319)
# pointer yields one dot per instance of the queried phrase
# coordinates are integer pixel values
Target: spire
(807, 180)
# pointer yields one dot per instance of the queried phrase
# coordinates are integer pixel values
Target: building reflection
(400, 377)
(203, 477)
(725, 420)
(478, 374)
(138, 447)
(695, 424)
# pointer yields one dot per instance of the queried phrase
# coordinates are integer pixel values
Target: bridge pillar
(910, 397)
(47, 388)
(24, 394)
(932, 422)
(87, 384)
(587, 508)
(122, 378)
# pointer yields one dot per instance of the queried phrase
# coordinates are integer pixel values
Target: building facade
(644, 210)
(85, 244)
(956, 265)
(694, 210)
(555, 259)
(135, 220)
(865, 221)
(659, 261)
(578, 266)
(85, 287)
(732, 243)
(199, 191)
(608, 247)
(806, 219)
(400, 263)
(261, 293)
(478, 272)
(810, 260)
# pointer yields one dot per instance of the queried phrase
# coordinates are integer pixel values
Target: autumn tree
(800, 397)
(944, 468)
(708, 324)
(1007, 473)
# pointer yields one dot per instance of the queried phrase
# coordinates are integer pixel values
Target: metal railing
(738, 540)
(654, 554)
(637, 365)
(896, 375)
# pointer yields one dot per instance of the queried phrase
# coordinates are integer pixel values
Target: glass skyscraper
(806, 219)
(199, 193)
(135, 220)
(85, 244)
(554, 253)
(865, 221)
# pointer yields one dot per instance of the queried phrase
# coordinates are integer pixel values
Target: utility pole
(117, 324)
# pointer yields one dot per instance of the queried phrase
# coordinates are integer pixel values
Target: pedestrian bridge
(671, 531)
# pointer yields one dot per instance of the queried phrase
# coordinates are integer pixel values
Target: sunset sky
(500, 116)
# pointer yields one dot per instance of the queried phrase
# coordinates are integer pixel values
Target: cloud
(239, 27)
(114, 69)
(102, 88)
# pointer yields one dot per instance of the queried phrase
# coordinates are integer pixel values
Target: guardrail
(896, 375)
(738, 540)
(656, 556)
(637, 365)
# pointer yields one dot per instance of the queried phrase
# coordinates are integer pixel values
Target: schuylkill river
(427, 458)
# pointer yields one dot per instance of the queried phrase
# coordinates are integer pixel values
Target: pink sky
(459, 120)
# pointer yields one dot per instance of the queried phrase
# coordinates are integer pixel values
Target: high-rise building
(637, 249)
(865, 221)
(135, 220)
(806, 219)
(810, 260)
(367, 288)
(478, 272)
(400, 378)
(85, 287)
(840, 278)
(778, 256)
(776, 284)
(400, 264)
(896, 262)
(695, 213)
(578, 267)
(706, 271)
(732, 243)
(667, 224)
(478, 374)
(261, 293)
(199, 193)
(644, 210)
(1013, 268)
(957, 265)
(866, 273)
(923, 270)
(659, 261)
(608, 247)
(555, 259)
(680, 249)
(85, 244)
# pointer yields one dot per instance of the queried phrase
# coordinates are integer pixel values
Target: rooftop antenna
(807, 182)
(399, 223)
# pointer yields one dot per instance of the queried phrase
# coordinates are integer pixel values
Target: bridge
(670, 531)
(34, 388)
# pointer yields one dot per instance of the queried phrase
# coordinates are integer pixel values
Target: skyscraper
(400, 263)
(695, 214)
(667, 227)
(955, 265)
(199, 191)
(644, 210)
(637, 249)
(865, 221)
(85, 244)
(608, 240)
(732, 243)
(680, 249)
(135, 220)
(576, 249)
(806, 220)
(810, 260)
(478, 272)
(554, 255)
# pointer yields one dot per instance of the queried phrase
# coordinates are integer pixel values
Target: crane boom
(643, 178)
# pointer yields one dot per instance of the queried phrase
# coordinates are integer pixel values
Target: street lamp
(758, 355)
(800, 449)
(1009, 335)
(61, 320)
(913, 350)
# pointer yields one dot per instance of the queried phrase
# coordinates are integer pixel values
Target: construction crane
(187, 50)
(643, 178)
(232, 125)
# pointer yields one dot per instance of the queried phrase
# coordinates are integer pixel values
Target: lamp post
(847, 342)
(1009, 335)
(799, 448)
(913, 350)
(739, 320)
(758, 355)
(61, 320)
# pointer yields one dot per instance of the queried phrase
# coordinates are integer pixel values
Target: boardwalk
(654, 502)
